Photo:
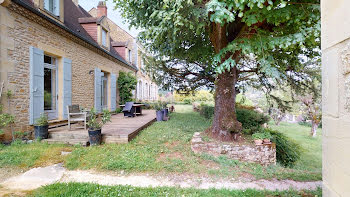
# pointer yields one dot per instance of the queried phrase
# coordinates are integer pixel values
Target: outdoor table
(138, 108)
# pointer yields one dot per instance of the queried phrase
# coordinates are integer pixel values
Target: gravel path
(38, 177)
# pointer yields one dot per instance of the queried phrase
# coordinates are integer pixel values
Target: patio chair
(76, 115)
(129, 110)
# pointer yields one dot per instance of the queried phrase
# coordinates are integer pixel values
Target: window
(104, 92)
(104, 37)
(129, 55)
(53, 6)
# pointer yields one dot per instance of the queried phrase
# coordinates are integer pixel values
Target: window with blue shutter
(36, 84)
(98, 90)
(67, 85)
(113, 92)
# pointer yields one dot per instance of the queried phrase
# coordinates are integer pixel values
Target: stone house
(53, 54)
(335, 38)
(133, 52)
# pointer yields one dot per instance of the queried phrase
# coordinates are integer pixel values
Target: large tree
(230, 43)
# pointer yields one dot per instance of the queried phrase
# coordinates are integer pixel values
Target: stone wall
(336, 97)
(21, 33)
(261, 154)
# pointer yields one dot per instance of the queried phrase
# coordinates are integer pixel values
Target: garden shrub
(287, 151)
(206, 110)
(127, 83)
(251, 119)
(188, 101)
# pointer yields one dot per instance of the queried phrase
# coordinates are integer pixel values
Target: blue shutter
(36, 84)
(113, 92)
(98, 93)
(67, 85)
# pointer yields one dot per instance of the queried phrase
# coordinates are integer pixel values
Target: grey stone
(35, 178)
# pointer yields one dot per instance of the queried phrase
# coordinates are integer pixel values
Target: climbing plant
(126, 84)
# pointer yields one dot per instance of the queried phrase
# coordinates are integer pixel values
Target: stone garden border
(262, 154)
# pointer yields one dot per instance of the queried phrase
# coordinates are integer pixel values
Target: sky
(112, 14)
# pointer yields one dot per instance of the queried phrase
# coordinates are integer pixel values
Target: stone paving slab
(35, 178)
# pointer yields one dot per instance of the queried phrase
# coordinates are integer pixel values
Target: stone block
(330, 75)
(334, 16)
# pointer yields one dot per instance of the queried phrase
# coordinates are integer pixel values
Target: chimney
(76, 2)
(101, 9)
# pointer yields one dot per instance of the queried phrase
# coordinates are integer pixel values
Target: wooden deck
(120, 130)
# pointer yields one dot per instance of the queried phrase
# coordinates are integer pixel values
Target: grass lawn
(83, 189)
(164, 147)
(311, 158)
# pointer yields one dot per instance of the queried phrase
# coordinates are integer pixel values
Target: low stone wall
(262, 154)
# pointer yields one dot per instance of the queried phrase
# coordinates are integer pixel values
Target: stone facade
(143, 92)
(336, 97)
(18, 33)
(261, 154)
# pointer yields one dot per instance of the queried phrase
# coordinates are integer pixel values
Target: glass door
(104, 93)
(50, 87)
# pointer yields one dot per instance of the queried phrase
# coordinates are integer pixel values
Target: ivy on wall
(126, 83)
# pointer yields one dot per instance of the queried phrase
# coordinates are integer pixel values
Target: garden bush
(188, 101)
(250, 119)
(206, 110)
(287, 151)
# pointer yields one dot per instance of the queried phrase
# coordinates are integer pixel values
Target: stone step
(68, 135)
(67, 141)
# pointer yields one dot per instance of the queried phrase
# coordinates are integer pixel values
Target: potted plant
(165, 110)
(159, 112)
(95, 124)
(267, 137)
(258, 138)
(41, 127)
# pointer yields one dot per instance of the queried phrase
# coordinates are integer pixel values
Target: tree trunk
(314, 126)
(225, 120)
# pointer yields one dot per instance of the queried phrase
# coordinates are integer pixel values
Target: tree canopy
(265, 44)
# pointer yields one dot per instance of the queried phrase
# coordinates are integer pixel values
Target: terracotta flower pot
(267, 141)
(258, 141)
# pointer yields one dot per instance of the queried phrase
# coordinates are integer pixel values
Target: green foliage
(21, 155)
(261, 135)
(82, 189)
(196, 96)
(5, 120)
(251, 119)
(153, 150)
(118, 110)
(287, 151)
(188, 101)
(159, 105)
(207, 111)
(126, 83)
(94, 122)
(278, 41)
(43, 120)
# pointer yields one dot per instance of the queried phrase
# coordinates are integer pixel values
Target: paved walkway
(38, 177)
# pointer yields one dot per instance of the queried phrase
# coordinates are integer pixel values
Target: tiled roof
(72, 13)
